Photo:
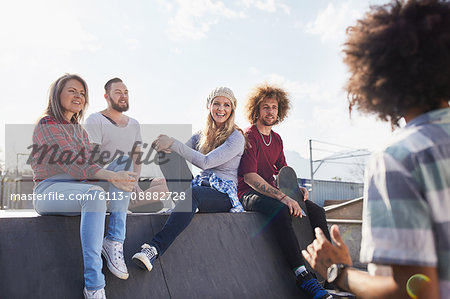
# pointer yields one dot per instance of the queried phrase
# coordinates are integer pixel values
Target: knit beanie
(221, 91)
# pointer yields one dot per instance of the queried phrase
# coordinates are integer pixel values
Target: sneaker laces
(312, 286)
(149, 251)
(118, 248)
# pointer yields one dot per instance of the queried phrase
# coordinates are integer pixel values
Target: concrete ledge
(221, 255)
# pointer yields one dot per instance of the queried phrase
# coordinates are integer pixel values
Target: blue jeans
(206, 199)
(88, 200)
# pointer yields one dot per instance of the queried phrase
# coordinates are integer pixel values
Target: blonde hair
(213, 136)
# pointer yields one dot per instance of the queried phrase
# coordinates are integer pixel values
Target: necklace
(270, 138)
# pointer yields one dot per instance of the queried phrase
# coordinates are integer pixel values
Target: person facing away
(114, 134)
(217, 150)
(263, 159)
(399, 61)
(65, 170)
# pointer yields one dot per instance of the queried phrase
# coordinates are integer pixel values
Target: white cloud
(176, 51)
(193, 18)
(301, 90)
(132, 43)
(49, 26)
(268, 5)
(254, 70)
(7, 58)
(330, 24)
(166, 5)
(325, 116)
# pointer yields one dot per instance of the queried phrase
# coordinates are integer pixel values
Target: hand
(124, 180)
(162, 143)
(136, 188)
(305, 193)
(293, 205)
(321, 254)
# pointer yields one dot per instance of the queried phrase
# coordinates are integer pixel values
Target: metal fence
(325, 190)
(10, 186)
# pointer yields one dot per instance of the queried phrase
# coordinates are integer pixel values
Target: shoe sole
(151, 207)
(142, 262)
(112, 268)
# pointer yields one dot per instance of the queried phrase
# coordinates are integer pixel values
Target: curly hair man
(399, 60)
(264, 157)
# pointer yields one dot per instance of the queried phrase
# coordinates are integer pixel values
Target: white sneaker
(96, 294)
(146, 257)
(113, 253)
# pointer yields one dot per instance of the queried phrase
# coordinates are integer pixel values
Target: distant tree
(2, 166)
(336, 178)
(357, 169)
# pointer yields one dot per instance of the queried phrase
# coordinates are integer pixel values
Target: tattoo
(263, 189)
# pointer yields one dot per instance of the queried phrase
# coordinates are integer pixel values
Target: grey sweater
(223, 161)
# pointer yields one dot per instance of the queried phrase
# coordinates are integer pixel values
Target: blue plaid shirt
(406, 219)
(225, 186)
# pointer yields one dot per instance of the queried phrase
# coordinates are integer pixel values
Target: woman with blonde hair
(217, 150)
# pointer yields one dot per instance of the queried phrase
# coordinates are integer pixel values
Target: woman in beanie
(217, 150)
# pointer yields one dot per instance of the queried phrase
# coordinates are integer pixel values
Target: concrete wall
(351, 234)
(220, 255)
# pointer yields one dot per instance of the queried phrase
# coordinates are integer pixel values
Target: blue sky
(171, 54)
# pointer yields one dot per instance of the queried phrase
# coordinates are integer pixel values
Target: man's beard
(119, 108)
(268, 124)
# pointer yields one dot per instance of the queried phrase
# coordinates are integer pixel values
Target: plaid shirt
(68, 150)
(406, 219)
(225, 186)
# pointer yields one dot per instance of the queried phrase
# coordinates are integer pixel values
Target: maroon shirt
(71, 151)
(260, 158)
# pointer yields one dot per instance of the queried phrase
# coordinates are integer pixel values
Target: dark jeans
(205, 198)
(280, 219)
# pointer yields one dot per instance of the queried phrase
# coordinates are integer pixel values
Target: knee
(95, 200)
(121, 163)
(196, 191)
(159, 182)
(314, 209)
(283, 214)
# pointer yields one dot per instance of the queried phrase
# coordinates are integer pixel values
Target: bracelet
(282, 197)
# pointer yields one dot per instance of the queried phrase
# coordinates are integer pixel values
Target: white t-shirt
(114, 141)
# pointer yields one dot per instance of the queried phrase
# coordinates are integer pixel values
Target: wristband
(282, 197)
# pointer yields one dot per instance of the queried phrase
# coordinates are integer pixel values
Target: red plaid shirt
(61, 148)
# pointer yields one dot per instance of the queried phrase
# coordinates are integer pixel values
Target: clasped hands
(163, 144)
